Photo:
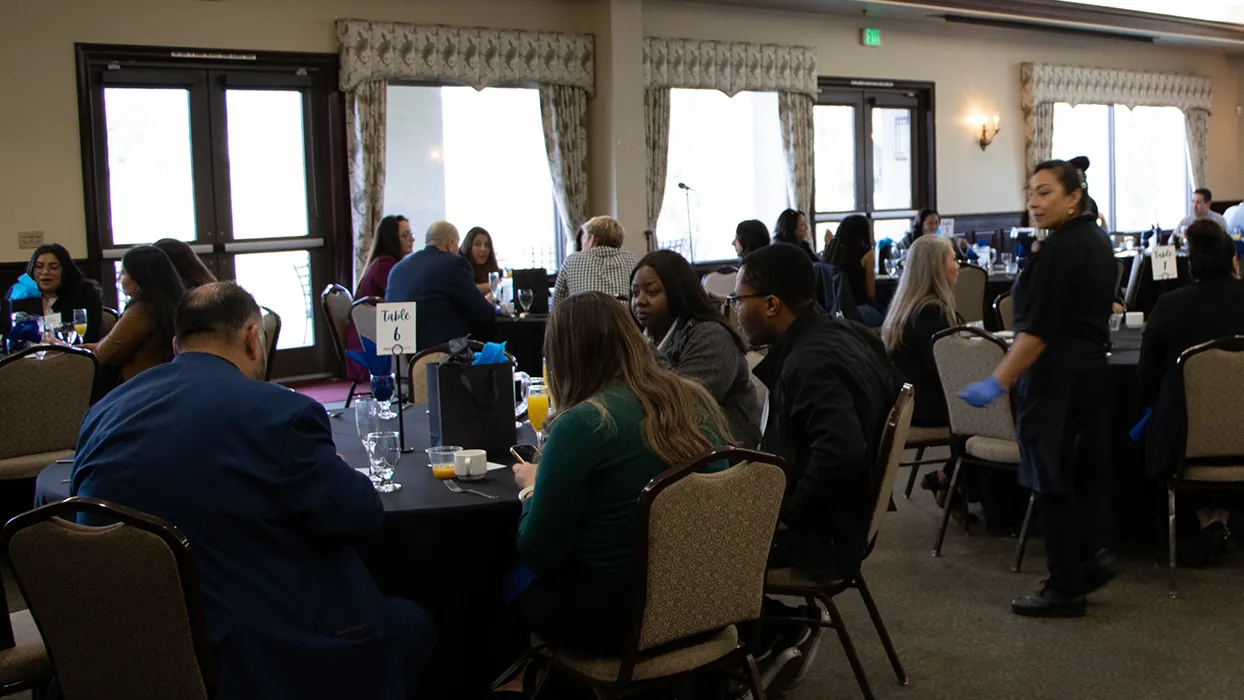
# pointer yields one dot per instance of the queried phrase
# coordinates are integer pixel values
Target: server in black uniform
(1056, 372)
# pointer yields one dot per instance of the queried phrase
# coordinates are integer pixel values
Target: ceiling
(1209, 11)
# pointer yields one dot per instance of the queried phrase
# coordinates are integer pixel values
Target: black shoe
(1208, 543)
(1099, 570)
(1049, 603)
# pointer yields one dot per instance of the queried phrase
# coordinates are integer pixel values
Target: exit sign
(870, 37)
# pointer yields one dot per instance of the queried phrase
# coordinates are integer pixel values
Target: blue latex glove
(492, 354)
(376, 365)
(25, 288)
(1138, 430)
(982, 393)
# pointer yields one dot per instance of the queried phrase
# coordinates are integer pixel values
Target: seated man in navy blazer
(248, 471)
(448, 303)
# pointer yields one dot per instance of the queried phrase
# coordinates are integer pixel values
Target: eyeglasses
(734, 299)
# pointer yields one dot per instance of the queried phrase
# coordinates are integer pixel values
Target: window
(873, 154)
(473, 158)
(1139, 171)
(728, 150)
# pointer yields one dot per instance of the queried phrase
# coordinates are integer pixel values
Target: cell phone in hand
(526, 453)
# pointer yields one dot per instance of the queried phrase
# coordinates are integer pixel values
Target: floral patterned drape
(731, 67)
(1045, 84)
(795, 111)
(366, 124)
(467, 55)
(564, 112)
(657, 143)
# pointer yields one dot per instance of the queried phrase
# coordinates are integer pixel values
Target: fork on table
(453, 486)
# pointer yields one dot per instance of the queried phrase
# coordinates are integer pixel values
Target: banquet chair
(336, 300)
(418, 367)
(107, 319)
(35, 433)
(271, 331)
(119, 605)
(1133, 279)
(720, 281)
(983, 437)
(970, 293)
(677, 627)
(1213, 454)
(792, 582)
(24, 659)
(1004, 311)
(921, 438)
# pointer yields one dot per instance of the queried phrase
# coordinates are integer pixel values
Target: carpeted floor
(951, 621)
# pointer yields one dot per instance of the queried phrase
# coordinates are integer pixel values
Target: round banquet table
(446, 551)
(999, 283)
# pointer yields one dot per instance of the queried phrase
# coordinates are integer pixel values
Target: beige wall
(975, 69)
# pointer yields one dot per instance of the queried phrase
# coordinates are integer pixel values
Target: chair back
(965, 355)
(754, 357)
(703, 543)
(119, 606)
(1133, 280)
(719, 282)
(890, 454)
(335, 300)
(418, 367)
(1004, 311)
(50, 424)
(272, 332)
(107, 319)
(970, 293)
(363, 313)
(1212, 375)
(1118, 276)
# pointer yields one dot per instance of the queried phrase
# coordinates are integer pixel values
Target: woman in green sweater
(621, 421)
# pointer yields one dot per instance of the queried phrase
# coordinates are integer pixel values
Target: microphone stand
(690, 241)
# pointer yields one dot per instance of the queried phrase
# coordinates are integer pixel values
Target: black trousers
(580, 611)
(1074, 518)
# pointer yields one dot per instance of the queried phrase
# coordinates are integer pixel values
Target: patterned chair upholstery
(704, 550)
(970, 293)
(1004, 309)
(24, 661)
(1213, 455)
(719, 282)
(983, 436)
(272, 332)
(35, 433)
(119, 605)
(793, 582)
(108, 318)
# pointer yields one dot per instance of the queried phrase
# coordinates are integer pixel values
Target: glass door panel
(150, 166)
(267, 164)
(281, 281)
(834, 157)
(892, 158)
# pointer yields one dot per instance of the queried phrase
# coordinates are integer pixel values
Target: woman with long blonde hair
(622, 420)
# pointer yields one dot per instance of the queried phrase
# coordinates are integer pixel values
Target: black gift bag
(472, 406)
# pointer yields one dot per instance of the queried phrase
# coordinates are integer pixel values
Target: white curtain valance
(731, 67)
(1086, 85)
(467, 55)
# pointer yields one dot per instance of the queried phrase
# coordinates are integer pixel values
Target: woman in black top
(792, 227)
(1057, 373)
(851, 251)
(63, 289)
(749, 237)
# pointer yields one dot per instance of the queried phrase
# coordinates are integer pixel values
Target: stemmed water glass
(383, 387)
(367, 421)
(383, 451)
(524, 299)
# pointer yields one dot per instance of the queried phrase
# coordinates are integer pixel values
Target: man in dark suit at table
(440, 282)
(248, 471)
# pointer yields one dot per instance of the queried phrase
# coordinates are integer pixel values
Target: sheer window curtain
(563, 109)
(1197, 122)
(798, 141)
(366, 124)
(657, 142)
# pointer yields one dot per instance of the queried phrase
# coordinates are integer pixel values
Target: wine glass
(367, 421)
(538, 409)
(494, 283)
(79, 323)
(383, 452)
(383, 387)
(524, 299)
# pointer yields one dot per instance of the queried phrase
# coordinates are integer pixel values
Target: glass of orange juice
(538, 409)
(79, 324)
(441, 459)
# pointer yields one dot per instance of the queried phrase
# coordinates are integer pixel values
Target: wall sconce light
(986, 137)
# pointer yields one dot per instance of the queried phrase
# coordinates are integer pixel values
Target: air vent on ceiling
(1049, 28)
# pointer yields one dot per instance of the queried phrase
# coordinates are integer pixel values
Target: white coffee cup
(1135, 319)
(470, 465)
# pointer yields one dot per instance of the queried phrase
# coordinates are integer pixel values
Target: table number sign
(1164, 263)
(51, 322)
(395, 328)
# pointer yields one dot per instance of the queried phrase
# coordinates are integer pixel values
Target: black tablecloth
(524, 339)
(446, 551)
